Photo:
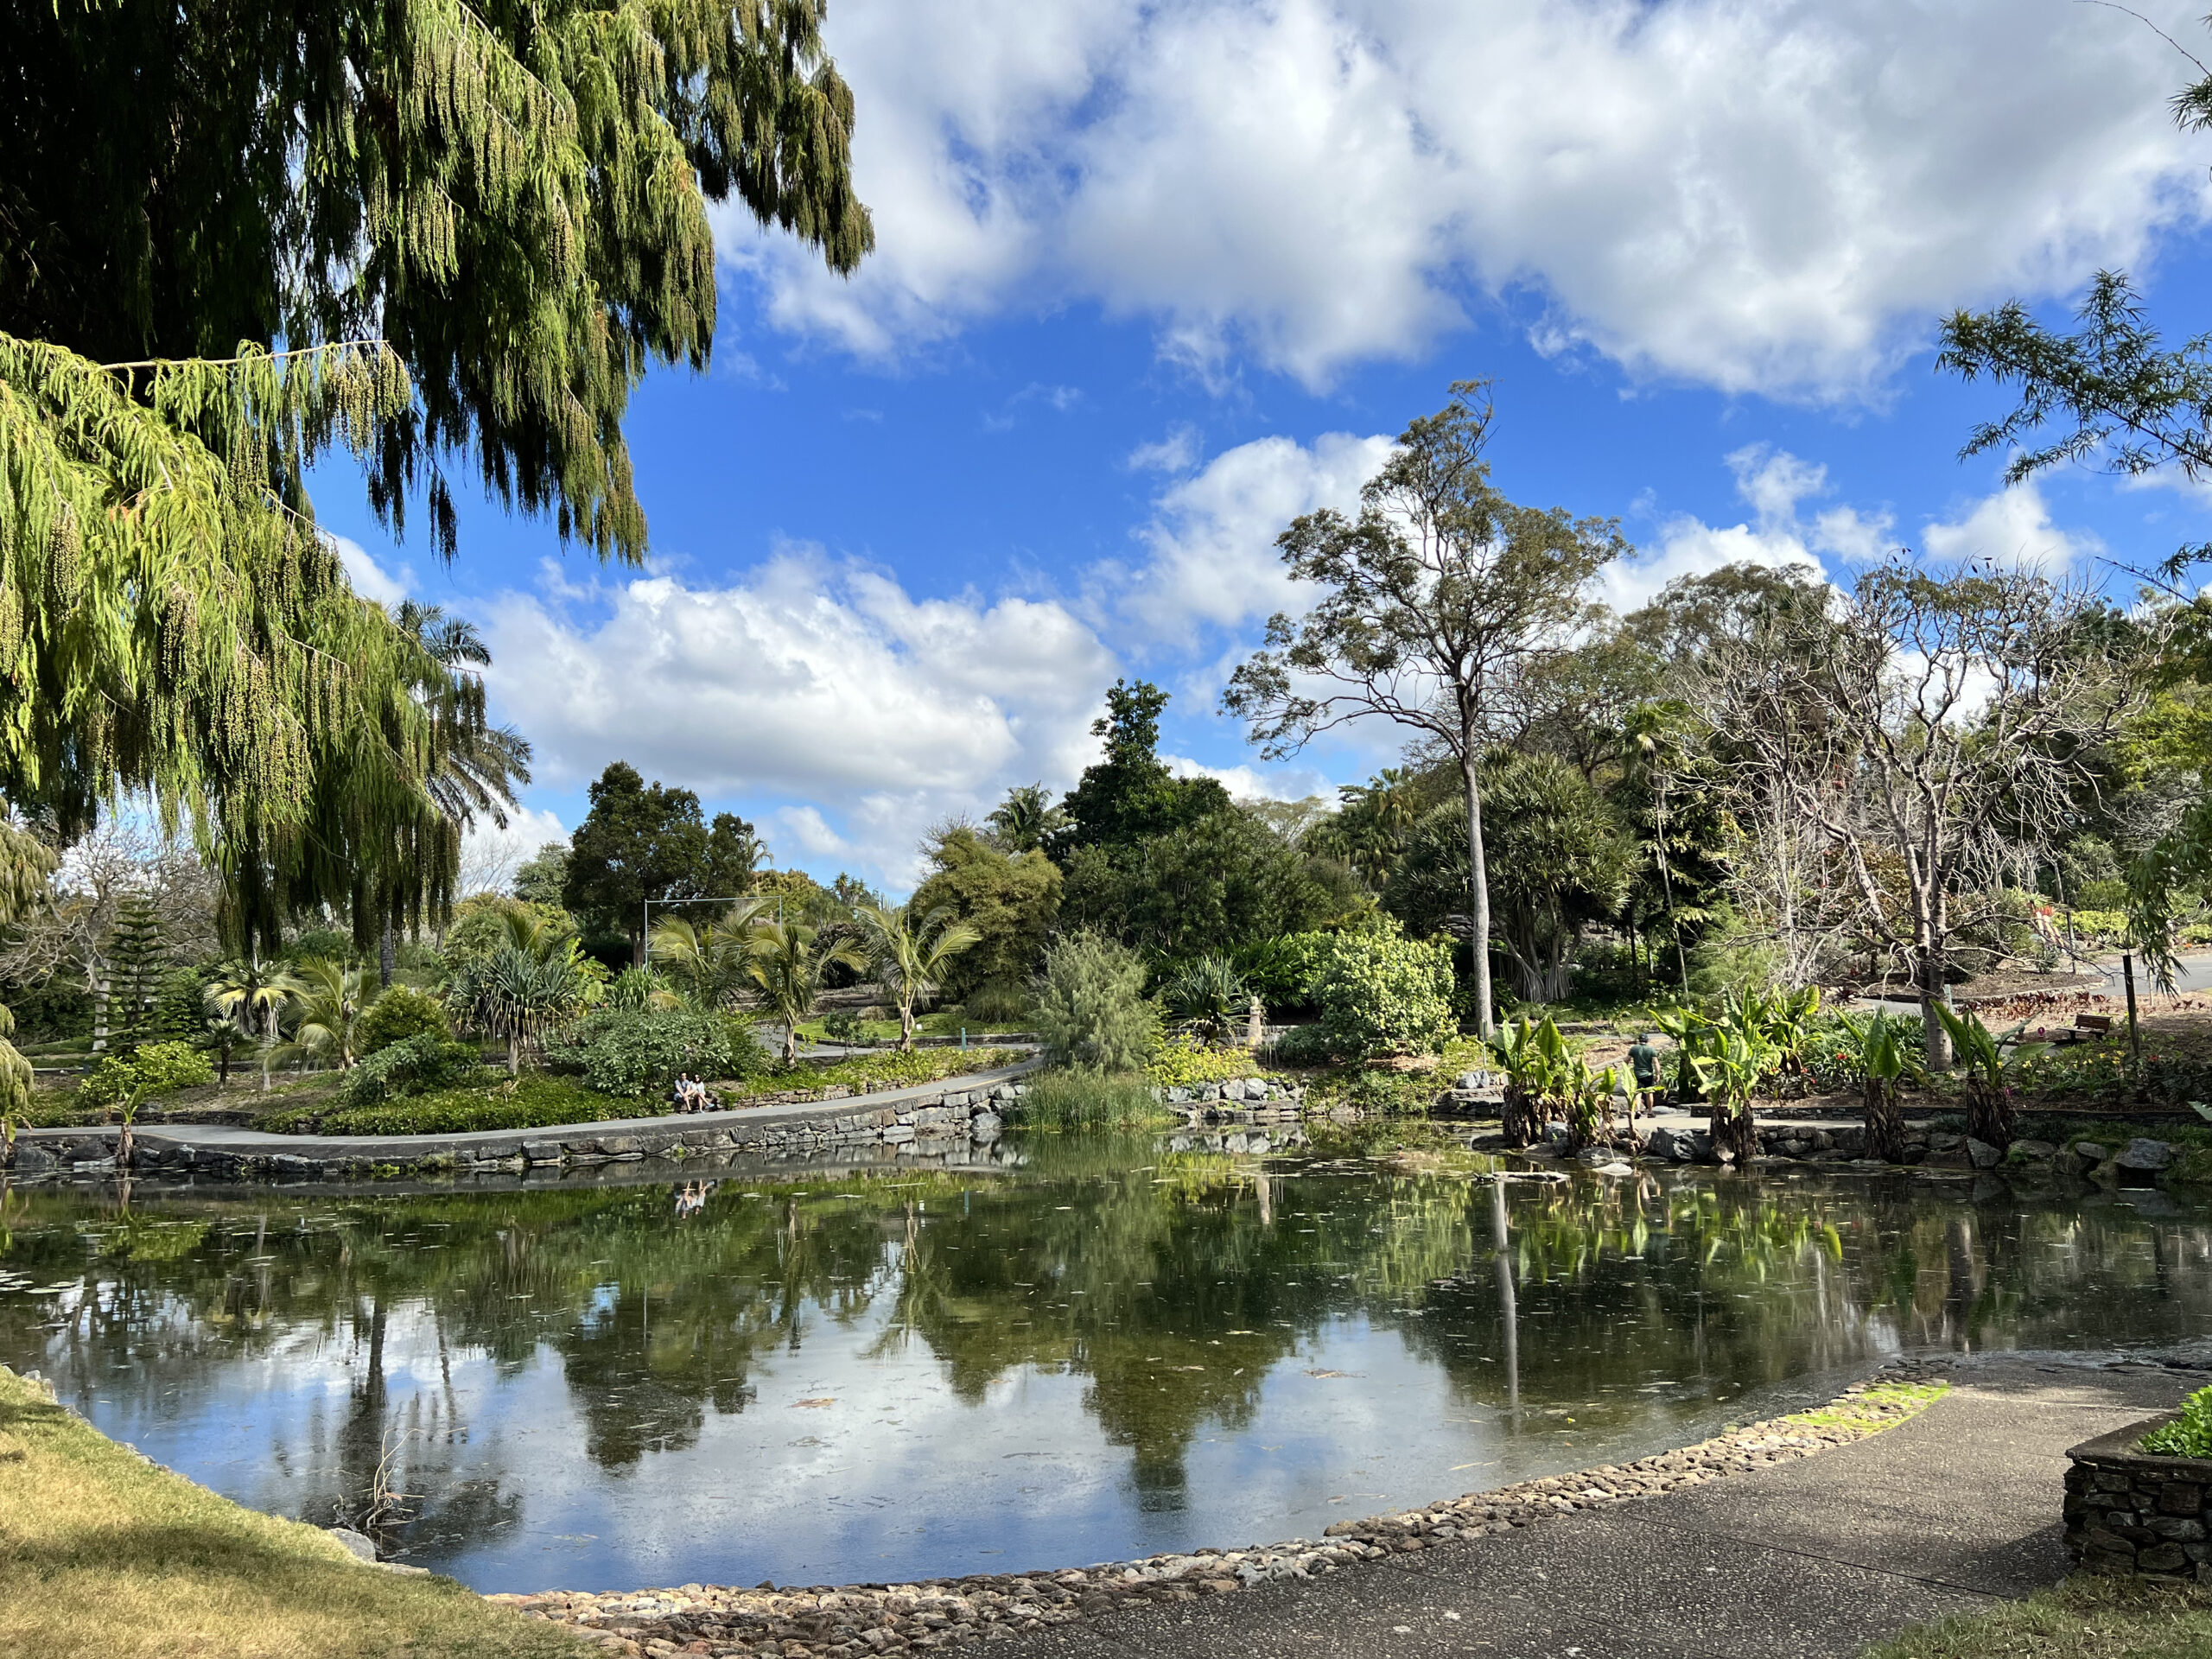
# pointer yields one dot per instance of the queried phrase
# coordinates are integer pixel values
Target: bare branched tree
(1927, 740)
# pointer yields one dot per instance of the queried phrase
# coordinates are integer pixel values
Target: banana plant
(1989, 1069)
(1736, 1055)
(1543, 1074)
(1886, 1063)
(1787, 1019)
(1692, 1030)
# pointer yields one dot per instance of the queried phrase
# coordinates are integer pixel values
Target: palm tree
(255, 994)
(229, 1034)
(909, 956)
(707, 959)
(787, 962)
(536, 981)
(1026, 817)
(326, 1008)
(480, 766)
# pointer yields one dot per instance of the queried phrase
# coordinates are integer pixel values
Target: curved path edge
(1809, 1535)
(948, 1108)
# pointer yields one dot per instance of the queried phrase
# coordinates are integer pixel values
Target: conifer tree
(135, 961)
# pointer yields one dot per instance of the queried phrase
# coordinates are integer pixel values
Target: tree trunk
(1478, 880)
(1884, 1124)
(1989, 1112)
(1734, 1131)
(514, 1053)
(907, 1027)
(1522, 1121)
(1933, 994)
(387, 956)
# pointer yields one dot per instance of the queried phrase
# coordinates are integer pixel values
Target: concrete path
(254, 1143)
(1820, 1557)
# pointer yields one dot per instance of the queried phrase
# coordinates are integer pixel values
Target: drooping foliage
(513, 198)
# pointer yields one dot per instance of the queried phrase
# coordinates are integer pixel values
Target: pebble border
(731, 1623)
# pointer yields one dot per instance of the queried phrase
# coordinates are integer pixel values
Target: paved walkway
(1818, 1557)
(254, 1143)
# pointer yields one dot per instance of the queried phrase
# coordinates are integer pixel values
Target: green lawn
(2085, 1617)
(102, 1553)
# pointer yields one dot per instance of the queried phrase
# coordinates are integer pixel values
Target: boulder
(2145, 1154)
(362, 1548)
(2031, 1152)
(1982, 1155)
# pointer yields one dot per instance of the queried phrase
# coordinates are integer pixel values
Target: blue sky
(1150, 282)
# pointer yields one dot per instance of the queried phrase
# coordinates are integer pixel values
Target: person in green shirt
(1643, 1062)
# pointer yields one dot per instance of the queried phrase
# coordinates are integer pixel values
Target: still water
(1108, 1352)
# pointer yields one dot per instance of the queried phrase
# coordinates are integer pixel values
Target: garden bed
(2132, 1511)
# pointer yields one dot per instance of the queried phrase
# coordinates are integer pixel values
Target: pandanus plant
(1885, 1064)
(1988, 1066)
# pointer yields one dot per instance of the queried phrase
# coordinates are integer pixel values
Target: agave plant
(1990, 1114)
(1886, 1063)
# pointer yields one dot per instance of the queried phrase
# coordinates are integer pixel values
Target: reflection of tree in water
(1171, 1287)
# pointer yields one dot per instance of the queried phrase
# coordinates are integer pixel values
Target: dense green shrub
(1380, 995)
(401, 1012)
(2189, 1435)
(1183, 1060)
(156, 1069)
(412, 1065)
(635, 1052)
(1091, 1011)
(1285, 971)
(323, 944)
(996, 1003)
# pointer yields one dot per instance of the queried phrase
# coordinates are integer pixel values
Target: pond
(1109, 1350)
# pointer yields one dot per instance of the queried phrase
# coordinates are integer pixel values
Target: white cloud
(1773, 483)
(1212, 536)
(1246, 783)
(370, 579)
(1178, 452)
(491, 856)
(2012, 527)
(804, 679)
(1757, 195)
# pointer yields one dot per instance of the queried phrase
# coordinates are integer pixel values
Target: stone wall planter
(2128, 1511)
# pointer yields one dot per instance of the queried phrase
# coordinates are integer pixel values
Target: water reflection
(1116, 1349)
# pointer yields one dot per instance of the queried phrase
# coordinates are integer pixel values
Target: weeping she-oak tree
(436, 234)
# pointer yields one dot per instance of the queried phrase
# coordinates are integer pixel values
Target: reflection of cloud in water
(923, 1376)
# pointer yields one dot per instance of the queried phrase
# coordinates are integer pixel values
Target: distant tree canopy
(1011, 899)
(643, 841)
(1129, 794)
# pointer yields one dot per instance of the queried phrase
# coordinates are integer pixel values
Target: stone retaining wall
(929, 1128)
(2129, 1512)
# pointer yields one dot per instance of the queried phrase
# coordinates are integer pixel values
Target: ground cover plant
(535, 1100)
(2088, 1616)
(103, 1552)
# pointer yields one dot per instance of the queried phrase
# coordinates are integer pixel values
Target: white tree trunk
(1478, 873)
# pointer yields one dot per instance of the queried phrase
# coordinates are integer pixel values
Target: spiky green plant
(1211, 995)
(325, 1010)
(255, 994)
(789, 962)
